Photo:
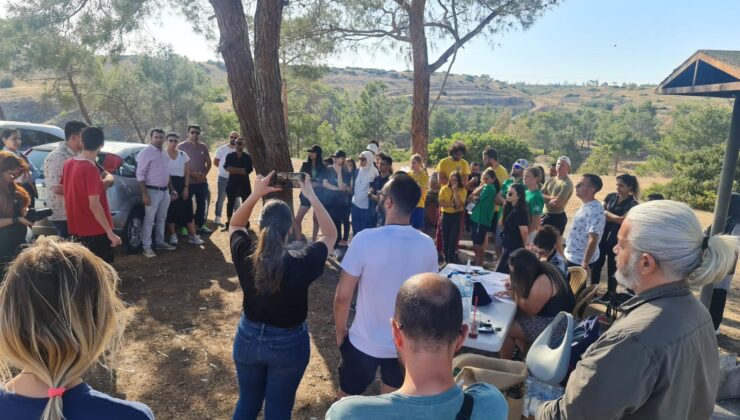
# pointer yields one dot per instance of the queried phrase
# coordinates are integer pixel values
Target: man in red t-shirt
(88, 214)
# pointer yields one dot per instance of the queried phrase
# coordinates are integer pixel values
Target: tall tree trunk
(256, 84)
(422, 76)
(235, 49)
(267, 19)
(78, 98)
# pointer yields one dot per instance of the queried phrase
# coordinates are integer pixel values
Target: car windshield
(37, 159)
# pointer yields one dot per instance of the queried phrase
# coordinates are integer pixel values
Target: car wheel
(132, 231)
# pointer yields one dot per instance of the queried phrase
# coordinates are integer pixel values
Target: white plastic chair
(550, 365)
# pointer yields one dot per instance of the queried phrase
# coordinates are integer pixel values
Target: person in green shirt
(482, 215)
(535, 200)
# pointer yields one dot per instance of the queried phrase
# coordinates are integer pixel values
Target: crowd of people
(659, 360)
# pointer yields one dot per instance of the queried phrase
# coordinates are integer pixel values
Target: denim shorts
(478, 233)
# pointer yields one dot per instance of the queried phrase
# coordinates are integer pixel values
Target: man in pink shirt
(156, 191)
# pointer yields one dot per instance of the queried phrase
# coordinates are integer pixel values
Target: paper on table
(493, 282)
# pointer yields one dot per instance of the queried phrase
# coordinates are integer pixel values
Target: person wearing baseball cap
(556, 192)
(338, 191)
(373, 147)
(314, 166)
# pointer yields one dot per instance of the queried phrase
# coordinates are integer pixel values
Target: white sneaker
(149, 253)
(195, 240)
(173, 239)
(165, 246)
(217, 220)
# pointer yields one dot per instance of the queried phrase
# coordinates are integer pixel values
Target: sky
(632, 41)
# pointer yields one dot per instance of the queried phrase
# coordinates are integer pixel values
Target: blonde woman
(59, 312)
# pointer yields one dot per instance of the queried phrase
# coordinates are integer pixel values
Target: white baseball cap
(521, 164)
(373, 148)
(565, 159)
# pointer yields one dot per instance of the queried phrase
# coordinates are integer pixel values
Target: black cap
(340, 154)
(315, 149)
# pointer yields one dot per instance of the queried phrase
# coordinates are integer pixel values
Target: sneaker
(149, 253)
(225, 228)
(165, 246)
(204, 230)
(173, 239)
(337, 254)
(195, 240)
(217, 220)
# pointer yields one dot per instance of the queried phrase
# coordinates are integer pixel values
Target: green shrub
(598, 162)
(696, 176)
(509, 149)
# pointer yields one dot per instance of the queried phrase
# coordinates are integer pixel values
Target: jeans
(451, 223)
(606, 255)
(200, 192)
(61, 228)
(270, 363)
(221, 195)
(361, 219)
(155, 216)
(346, 210)
(232, 195)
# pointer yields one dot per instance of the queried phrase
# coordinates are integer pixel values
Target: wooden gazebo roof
(706, 73)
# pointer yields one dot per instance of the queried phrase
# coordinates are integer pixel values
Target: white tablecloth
(498, 313)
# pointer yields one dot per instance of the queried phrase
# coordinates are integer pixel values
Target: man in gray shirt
(200, 164)
(660, 359)
(427, 330)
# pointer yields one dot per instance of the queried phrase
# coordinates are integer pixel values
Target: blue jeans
(221, 195)
(361, 219)
(270, 363)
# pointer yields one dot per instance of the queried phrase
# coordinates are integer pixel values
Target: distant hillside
(26, 101)
(462, 91)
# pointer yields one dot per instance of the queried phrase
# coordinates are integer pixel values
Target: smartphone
(288, 179)
(485, 328)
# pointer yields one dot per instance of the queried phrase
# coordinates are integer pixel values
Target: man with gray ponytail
(660, 359)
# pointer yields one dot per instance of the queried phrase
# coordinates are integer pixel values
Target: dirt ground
(183, 310)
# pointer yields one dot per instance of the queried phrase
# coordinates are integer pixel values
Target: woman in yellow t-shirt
(452, 202)
(419, 174)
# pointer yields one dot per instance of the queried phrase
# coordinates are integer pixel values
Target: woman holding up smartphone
(14, 202)
(271, 347)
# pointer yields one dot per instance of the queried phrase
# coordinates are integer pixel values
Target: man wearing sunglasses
(200, 164)
(223, 176)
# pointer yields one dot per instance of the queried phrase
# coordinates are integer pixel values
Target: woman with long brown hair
(271, 347)
(14, 202)
(59, 313)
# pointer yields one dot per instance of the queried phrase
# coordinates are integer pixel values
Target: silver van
(124, 198)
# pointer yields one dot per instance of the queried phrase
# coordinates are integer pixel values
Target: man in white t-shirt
(378, 261)
(223, 176)
(582, 243)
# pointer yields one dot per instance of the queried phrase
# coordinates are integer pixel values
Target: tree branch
(460, 42)
(370, 33)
